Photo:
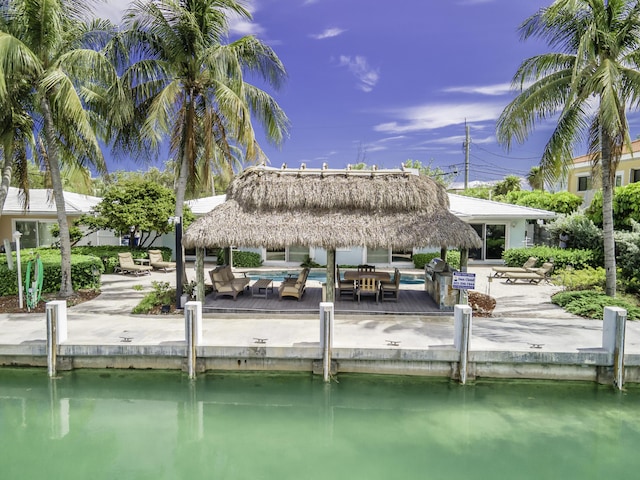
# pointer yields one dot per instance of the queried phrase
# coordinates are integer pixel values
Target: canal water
(159, 425)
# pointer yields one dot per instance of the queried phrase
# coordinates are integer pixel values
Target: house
(501, 226)
(35, 221)
(580, 178)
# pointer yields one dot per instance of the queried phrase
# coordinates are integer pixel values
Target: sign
(464, 280)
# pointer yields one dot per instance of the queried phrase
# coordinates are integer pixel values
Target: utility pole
(467, 141)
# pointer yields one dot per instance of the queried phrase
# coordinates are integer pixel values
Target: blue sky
(384, 82)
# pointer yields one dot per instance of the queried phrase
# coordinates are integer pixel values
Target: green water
(158, 425)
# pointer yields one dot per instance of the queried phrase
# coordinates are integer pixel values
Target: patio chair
(366, 268)
(534, 276)
(368, 285)
(526, 267)
(345, 287)
(294, 289)
(225, 283)
(128, 265)
(157, 262)
(390, 290)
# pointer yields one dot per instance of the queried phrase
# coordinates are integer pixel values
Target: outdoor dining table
(355, 275)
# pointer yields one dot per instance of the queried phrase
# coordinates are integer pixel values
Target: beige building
(582, 182)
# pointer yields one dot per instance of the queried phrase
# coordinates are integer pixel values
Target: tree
(626, 207)
(510, 183)
(190, 85)
(535, 178)
(589, 82)
(559, 202)
(436, 173)
(125, 207)
(42, 45)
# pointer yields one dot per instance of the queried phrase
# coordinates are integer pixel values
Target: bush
(561, 257)
(583, 233)
(241, 259)
(586, 279)
(559, 202)
(421, 259)
(591, 304)
(162, 294)
(82, 267)
(628, 253)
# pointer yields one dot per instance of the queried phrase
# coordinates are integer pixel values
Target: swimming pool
(278, 276)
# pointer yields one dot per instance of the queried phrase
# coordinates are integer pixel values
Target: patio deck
(410, 302)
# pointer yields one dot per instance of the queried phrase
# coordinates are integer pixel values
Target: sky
(385, 82)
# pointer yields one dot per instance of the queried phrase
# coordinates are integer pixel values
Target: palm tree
(190, 85)
(41, 45)
(535, 178)
(589, 83)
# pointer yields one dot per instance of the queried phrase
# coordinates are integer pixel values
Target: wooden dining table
(355, 275)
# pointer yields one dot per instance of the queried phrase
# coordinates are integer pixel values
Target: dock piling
(326, 337)
(56, 312)
(193, 334)
(613, 340)
(462, 331)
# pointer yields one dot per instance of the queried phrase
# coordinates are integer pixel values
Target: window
(618, 182)
(584, 184)
(35, 234)
(402, 255)
(275, 255)
(298, 254)
(634, 176)
(377, 255)
(493, 242)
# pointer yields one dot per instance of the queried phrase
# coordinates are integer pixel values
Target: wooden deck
(410, 302)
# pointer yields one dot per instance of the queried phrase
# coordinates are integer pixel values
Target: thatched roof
(332, 209)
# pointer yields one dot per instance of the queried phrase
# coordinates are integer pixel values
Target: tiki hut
(332, 209)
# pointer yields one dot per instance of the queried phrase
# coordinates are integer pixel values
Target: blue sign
(464, 280)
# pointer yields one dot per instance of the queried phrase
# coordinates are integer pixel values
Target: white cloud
(328, 33)
(358, 66)
(431, 117)
(111, 10)
(491, 90)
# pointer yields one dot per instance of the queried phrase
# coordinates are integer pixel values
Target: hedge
(109, 254)
(561, 257)
(82, 267)
(421, 259)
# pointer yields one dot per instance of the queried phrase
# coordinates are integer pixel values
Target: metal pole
(613, 340)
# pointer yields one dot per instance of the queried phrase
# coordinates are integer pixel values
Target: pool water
(322, 277)
(159, 425)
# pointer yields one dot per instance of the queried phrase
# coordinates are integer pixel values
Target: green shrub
(591, 304)
(421, 259)
(585, 279)
(583, 233)
(82, 267)
(162, 294)
(561, 257)
(241, 259)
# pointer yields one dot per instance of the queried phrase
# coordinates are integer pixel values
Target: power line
(509, 157)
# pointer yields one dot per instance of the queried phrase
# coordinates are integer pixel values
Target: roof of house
(200, 206)
(635, 148)
(41, 202)
(470, 207)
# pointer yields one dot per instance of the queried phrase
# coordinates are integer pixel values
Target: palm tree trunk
(7, 171)
(66, 286)
(607, 218)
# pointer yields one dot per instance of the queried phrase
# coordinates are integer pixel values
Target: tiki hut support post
(464, 259)
(331, 275)
(443, 253)
(200, 274)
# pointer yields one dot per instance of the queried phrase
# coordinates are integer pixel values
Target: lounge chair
(128, 265)
(368, 285)
(536, 275)
(345, 287)
(225, 283)
(156, 261)
(526, 267)
(390, 290)
(294, 289)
